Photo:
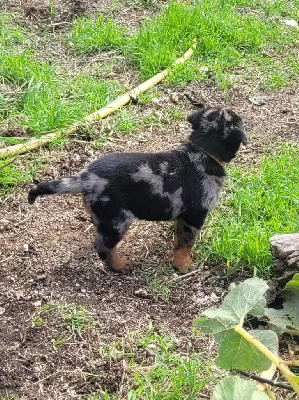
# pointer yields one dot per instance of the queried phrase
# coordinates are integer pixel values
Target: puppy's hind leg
(109, 233)
(184, 239)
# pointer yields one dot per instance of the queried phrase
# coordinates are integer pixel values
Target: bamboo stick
(99, 114)
(275, 359)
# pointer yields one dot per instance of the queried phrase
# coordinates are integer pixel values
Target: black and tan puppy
(181, 184)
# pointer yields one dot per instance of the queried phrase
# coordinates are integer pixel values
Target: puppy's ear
(195, 119)
(232, 126)
(225, 115)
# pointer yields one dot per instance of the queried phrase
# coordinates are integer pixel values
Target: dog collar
(208, 154)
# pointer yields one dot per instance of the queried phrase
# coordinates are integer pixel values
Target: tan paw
(122, 266)
(183, 264)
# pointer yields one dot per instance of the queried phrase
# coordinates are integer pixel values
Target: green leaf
(288, 316)
(216, 321)
(235, 388)
(235, 352)
(246, 298)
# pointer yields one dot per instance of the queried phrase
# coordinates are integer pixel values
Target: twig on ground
(185, 276)
(8, 162)
(292, 363)
(293, 332)
(89, 227)
(264, 380)
(6, 259)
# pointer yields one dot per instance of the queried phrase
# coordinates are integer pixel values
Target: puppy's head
(218, 130)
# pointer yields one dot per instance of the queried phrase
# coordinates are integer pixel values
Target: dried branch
(264, 380)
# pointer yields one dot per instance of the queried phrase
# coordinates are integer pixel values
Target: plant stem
(293, 332)
(8, 162)
(283, 368)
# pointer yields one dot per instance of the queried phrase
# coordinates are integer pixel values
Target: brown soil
(47, 255)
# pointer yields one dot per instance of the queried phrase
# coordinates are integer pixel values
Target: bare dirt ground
(47, 255)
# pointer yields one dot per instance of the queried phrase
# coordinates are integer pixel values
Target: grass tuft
(173, 376)
(49, 98)
(75, 320)
(13, 174)
(94, 35)
(9, 34)
(258, 204)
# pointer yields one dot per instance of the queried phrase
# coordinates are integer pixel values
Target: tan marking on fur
(181, 257)
(116, 263)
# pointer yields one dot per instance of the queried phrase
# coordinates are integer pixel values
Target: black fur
(181, 184)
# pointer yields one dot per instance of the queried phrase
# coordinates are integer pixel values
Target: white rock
(291, 22)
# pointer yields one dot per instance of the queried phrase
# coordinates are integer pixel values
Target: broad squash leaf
(235, 388)
(235, 352)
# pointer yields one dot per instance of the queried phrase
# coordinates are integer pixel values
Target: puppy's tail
(72, 184)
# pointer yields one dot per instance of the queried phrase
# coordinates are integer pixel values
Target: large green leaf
(235, 388)
(235, 352)
(246, 298)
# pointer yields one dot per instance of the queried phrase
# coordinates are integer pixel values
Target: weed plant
(257, 204)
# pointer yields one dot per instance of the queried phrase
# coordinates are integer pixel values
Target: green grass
(273, 8)
(168, 373)
(14, 174)
(75, 320)
(173, 376)
(226, 39)
(50, 99)
(94, 35)
(232, 45)
(9, 33)
(258, 203)
(157, 279)
(45, 96)
(13, 397)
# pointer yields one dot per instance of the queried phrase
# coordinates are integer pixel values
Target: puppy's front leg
(184, 239)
